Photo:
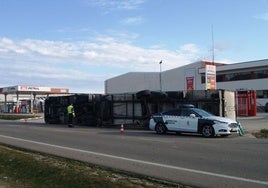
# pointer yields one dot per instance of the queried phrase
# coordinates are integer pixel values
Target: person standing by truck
(71, 115)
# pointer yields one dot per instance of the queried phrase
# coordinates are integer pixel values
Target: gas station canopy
(32, 91)
(28, 90)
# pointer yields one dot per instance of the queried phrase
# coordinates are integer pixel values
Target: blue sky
(78, 44)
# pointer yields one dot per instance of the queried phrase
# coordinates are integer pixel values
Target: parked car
(266, 107)
(192, 120)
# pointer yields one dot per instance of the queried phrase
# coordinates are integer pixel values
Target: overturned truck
(134, 109)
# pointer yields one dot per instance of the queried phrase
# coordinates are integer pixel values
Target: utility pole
(160, 75)
(213, 48)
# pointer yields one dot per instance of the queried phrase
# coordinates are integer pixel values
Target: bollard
(241, 130)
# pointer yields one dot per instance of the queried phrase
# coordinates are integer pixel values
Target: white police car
(192, 120)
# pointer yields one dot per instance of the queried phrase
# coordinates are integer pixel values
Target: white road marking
(143, 162)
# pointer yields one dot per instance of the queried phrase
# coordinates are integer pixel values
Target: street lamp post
(160, 75)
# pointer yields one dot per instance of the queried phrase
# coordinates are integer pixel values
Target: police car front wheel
(207, 131)
(160, 128)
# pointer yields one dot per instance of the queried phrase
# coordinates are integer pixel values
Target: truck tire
(143, 93)
(158, 95)
(175, 94)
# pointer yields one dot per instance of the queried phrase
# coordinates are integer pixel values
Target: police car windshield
(202, 113)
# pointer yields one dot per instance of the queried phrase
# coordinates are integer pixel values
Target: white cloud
(8, 45)
(189, 48)
(263, 16)
(132, 20)
(222, 46)
(83, 64)
(49, 48)
(111, 5)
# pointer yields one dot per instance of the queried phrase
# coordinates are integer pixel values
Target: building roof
(240, 66)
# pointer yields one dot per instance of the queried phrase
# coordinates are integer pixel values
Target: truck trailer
(134, 109)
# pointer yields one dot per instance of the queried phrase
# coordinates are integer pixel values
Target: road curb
(35, 118)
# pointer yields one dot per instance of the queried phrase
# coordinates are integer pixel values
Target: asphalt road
(188, 159)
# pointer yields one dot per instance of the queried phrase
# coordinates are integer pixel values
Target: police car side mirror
(192, 115)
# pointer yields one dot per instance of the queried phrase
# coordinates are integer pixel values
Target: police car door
(188, 120)
(171, 119)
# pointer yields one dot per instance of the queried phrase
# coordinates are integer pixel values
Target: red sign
(190, 83)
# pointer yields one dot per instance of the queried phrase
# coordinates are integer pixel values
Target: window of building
(262, 93)
(244, 76)
(261, 74)
(220, 78)
(247, 75)
(203, 79)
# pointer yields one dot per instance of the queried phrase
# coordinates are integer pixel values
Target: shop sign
(210, 77)
(34, 88)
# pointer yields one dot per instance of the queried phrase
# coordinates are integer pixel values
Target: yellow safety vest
(70, 109)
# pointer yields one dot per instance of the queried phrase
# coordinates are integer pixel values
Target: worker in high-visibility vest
(71, 114)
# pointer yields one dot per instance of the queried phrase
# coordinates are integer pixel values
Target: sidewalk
(254, 123)
(23, 116)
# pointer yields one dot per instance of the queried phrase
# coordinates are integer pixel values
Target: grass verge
(20, 168)
(17, 116)
(262, 134)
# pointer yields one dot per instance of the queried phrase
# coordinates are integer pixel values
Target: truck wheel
(160, 128)
(207, 131)
(175, 94)
(143, 93)
(158, 95)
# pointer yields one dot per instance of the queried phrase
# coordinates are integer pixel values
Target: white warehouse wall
(171, 80)
(133, 82)
(174, 79)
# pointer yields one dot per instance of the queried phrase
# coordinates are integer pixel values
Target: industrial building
(251, 75)
(201, 75)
